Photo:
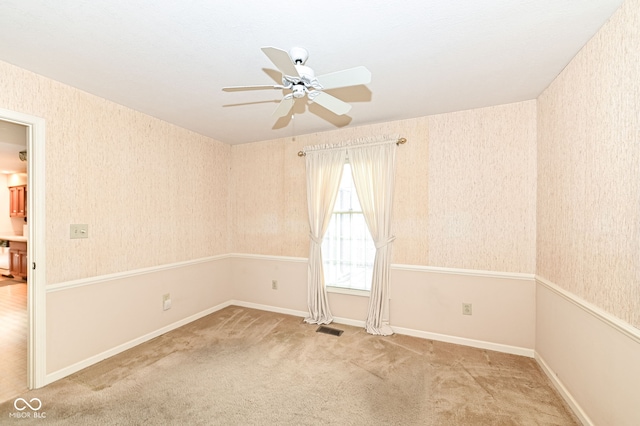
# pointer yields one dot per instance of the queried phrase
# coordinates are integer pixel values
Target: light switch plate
(79, 230)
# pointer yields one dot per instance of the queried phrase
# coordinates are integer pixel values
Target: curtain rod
(400, 141)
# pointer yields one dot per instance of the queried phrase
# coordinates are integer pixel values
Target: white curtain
(373, 169)
(324, 171)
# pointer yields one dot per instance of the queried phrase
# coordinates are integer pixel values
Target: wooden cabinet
(18, 262)
(18, 201)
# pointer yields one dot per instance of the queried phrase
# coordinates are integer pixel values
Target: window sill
(349, 291)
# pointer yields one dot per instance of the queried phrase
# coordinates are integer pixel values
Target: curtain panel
(324, 171)
(373, 170)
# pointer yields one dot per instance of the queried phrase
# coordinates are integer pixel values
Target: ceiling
(170, 59)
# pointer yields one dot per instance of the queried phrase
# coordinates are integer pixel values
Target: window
(348, 251)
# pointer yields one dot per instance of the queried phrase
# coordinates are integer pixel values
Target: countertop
(13, 238)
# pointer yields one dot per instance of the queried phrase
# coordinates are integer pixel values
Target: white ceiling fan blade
(331, 103)
(260, 87)
(281, 60)
(284, 107)
(344, 78)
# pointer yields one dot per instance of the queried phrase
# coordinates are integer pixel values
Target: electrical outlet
(466, 309)
(79, 230)
(274, 284)
(166, 302)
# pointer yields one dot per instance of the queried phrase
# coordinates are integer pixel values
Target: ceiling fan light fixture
(299, 91)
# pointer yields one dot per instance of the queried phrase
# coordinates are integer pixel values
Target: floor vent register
(329, 330)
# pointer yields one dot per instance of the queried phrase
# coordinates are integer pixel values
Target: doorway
(22, 335)
(14, 327)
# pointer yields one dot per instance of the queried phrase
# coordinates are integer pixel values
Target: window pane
(348, 250)
(347, 197)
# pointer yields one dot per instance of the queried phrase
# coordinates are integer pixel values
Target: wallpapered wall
(152, 193)
(465, 190)
(589, 171)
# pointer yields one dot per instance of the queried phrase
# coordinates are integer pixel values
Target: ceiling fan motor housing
(298, 55)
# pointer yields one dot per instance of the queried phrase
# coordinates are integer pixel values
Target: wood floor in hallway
(13, 339)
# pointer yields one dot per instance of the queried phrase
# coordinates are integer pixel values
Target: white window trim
(349, 291)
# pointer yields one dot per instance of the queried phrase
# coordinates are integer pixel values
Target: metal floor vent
(329, 330)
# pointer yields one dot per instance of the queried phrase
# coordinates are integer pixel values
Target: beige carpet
(242, 366)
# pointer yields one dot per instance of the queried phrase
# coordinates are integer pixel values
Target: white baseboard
(64, 372)
(400, 330)
(348, 321)
(481, 344)
(293, 312)
(564, 392)
(268, 308)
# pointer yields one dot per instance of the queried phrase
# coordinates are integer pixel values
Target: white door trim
(36, 288)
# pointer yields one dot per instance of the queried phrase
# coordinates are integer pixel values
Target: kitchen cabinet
(18, 259)
(18, 201)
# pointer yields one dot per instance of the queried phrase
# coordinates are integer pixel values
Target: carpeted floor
(242, 366)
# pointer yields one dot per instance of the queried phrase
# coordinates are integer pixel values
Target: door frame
(36, 288)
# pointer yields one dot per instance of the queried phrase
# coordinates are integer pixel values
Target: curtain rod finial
(301, 154)
(401, 141)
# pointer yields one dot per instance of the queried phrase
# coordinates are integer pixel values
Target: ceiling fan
(302, 81)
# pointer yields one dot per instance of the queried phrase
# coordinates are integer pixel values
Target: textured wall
(268, 212)
(465, 190)
(589, 171)
(152, 193)
(482, 182)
